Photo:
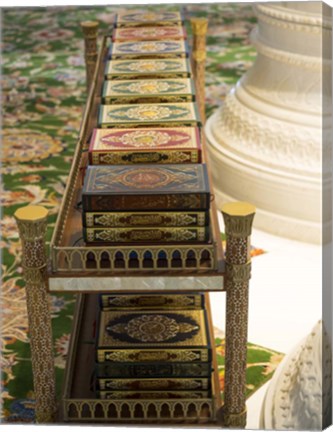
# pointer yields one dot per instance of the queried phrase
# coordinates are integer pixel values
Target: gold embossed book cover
(145, 219)
(155, 384)
(146, 336)
(148, 18)
(151, 301)
(146, 187)
(158, 114)
(133, 34)
(142, 91)
(147, 235)
(146, 68)
(153, 369)
(142, 145)
(151, 395)
(162, 49)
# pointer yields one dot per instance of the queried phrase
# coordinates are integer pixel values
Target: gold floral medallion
(153, 328)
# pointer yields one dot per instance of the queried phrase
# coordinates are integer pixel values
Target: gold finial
(238, 218)
(31, 213)
(89, 28)
(199, 26)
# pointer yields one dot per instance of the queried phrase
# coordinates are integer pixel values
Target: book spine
(154, 384)
(146, 56)
(150, 355)
(198, 201)
(151, 235)
(145, 219)
(147, 99)
(105, 89)
(153, 370)
(151, 302)
(152, 395)
(128, 124)
(129, 158)
(149, 23)
(141, 75)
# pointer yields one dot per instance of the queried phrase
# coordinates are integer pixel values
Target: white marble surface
(137, 283)
(285, 299)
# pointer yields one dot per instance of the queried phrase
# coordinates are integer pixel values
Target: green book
(149, 114)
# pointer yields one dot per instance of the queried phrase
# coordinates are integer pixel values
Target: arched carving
(151, 412)
(147, 259)
(133, 260)
(73, 411)
(85, 411)
(205, 259)
(162, 259)
(105, 260)
(119, 261)
(98, 411)
(138, 411)
(74, 260)
(112, 411)
(63, 260)
(179, 411)
(125, 411)
(165, 411)
(91, 260)
(176, 260)
(191, 410)
(205, 410)
(191, 259)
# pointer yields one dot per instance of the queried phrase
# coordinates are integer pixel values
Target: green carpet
(43, 91)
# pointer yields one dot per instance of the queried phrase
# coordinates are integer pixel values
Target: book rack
(88, 270)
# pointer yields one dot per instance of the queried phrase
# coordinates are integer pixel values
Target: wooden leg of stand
(238, 218)
(90, 29)
(199, 30)
(32, 224)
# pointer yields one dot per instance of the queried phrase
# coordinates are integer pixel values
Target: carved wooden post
(90, 29)
(238, 218)
(32, 224)
(199, 30)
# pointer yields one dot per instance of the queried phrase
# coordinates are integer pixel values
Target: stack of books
(146, 202)
(153, 346)
(146, 182)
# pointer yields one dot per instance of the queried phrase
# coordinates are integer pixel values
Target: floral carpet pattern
(43, 94)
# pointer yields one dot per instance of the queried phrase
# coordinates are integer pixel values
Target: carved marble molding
(299, 60)
(269, 142)
(287, 18)
(294, 398)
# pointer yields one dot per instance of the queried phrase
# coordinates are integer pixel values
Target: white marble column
(299, 396)
(265, 143)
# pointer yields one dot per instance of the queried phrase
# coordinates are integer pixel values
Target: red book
(143, 145)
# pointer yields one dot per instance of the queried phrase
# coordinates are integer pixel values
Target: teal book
(165, 49)
(149, 114)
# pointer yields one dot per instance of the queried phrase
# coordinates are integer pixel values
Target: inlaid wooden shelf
(79, 403)
(72, 266)
(75, 266)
